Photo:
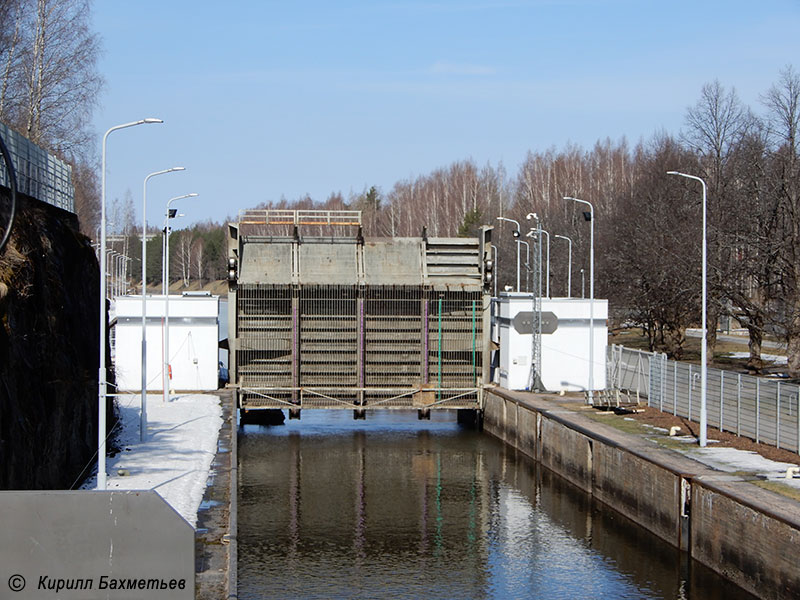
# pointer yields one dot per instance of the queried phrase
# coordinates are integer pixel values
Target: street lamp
(541, 231)
(101, 379)
(143, 418)
(166, 374)
(703, 350)
(569, 264)
(120, 264)
(591, 293)
(516, 235)
(527, 265)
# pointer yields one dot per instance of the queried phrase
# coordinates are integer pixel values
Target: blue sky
(269, 99)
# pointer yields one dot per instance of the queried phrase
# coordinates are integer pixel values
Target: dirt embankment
(49, 287)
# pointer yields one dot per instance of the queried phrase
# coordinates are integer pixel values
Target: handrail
(351, 218)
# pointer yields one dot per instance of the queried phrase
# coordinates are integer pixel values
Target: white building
(193, 342)
(565, 342)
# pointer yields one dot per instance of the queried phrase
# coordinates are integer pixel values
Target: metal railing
(762, 409)
(299, 217)
(40, 175)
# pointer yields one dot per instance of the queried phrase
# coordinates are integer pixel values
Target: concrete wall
(754, 548)
(747, 534)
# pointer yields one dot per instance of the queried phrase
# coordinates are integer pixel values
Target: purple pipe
(425, 340)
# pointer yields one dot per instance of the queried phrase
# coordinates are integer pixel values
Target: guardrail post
(675, 388)
(721, 397)
(739, 405)
(778, 418)
(758, 409)
(690, 392)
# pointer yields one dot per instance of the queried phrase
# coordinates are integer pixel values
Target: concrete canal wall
(747, 534)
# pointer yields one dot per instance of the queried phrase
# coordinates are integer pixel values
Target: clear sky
(269, 99)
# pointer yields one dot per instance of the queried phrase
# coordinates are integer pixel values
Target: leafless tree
(184, 256)
(715, 127)
(199, 259)
(782, 101)
(12, 14)
(60, 78)
(652, 256)
(49, 84)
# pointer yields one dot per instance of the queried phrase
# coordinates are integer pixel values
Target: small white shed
(565, 342)
(193, 342)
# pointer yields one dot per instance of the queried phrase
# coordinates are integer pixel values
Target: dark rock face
(49, 288)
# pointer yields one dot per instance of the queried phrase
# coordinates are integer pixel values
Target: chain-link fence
(763, 409)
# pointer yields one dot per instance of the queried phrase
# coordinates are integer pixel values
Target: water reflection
(399, 508)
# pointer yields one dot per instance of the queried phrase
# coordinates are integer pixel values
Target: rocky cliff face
(49, 286)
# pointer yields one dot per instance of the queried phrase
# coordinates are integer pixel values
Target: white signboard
(90, 544)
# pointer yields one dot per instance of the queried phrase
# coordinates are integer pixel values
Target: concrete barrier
(747, 534)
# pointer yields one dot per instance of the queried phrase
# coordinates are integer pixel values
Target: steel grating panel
(343, 346)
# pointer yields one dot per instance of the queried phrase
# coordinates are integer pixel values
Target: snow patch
(175, 461)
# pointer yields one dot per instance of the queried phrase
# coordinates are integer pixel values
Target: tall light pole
(703, 327)
(591, 294)
(110, 275)
(516, 236)
(541, 231)
(120, 263)
(143, 416)
(101, 378)
(166, 373)
(527, 264)
(496, 269)
(569, 264)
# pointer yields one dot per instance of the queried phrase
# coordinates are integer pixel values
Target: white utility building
(193, 342)
(565, 342)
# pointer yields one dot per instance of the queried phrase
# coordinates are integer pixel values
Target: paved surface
(739, 339)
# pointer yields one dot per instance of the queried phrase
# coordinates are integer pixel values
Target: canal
(393, 507)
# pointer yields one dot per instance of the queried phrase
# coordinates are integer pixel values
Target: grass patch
(780, 488)
(619, 422)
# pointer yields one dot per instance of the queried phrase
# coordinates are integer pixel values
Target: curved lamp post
(143, 419)
(591, 293)
(703, 350)
(166, 374)
(527, 265)
(516, 236)
(569, 263)
(101, 379)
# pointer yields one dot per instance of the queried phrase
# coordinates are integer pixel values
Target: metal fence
(762, 409)
(40, 175)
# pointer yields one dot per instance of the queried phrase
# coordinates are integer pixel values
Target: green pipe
(439, 391)
(474, 337)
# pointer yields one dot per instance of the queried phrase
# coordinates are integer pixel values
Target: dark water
(393, 507)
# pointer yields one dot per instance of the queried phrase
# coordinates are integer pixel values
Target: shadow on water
(394, 507)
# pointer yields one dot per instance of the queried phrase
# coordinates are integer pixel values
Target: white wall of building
(565, 352)
(193, 342)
